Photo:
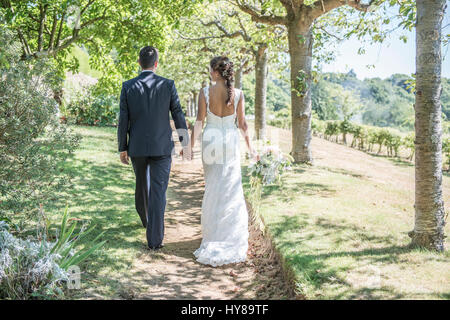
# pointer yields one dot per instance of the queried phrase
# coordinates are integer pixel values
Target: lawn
(103, 194)
(341, 227)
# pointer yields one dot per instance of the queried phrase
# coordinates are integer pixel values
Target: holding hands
(186, 153)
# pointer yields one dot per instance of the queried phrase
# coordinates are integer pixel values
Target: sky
(390, 57)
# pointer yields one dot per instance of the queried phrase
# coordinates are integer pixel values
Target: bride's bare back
(217, 101)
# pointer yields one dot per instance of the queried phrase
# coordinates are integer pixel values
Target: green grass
(336, 228)
(103, 194)
(344, 233)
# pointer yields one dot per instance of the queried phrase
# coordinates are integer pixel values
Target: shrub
(282, 119)
(86, 107)
(408, 143)
(28, 268)
(33, 144)
(379, 137)
(39, 268)
(393, 142)
(332, 129)
(345, 127)
(317, 125)
(360, 135)
(446, 151)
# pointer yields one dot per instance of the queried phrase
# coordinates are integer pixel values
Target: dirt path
(173, 273)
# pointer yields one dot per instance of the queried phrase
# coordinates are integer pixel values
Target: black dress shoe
(157, 247)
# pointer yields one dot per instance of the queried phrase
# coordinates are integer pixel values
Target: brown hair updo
(225, 68)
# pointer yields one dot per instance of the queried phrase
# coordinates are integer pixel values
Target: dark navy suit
(144, 131)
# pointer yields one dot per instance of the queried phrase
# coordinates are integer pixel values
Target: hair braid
(225, 68)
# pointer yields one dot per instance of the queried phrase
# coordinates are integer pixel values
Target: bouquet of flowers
(270, 166)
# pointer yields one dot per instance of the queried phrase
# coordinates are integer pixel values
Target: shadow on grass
(311, 246)
(344, 172)
(399, 162)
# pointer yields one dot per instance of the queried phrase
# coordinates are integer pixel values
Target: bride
(224, 214)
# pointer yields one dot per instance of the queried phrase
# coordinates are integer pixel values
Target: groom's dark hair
(148, 57)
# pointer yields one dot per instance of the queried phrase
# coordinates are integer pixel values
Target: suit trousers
(152, 177)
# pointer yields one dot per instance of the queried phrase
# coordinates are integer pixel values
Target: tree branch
(328, 33)
(61, 23)
(226, 33)
(328, 5)
(43, 14)
(257, 16)
(53, 32)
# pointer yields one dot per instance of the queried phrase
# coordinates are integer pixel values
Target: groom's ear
(156, 64)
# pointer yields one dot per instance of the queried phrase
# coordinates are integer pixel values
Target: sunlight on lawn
(103, 194)
(344, 232)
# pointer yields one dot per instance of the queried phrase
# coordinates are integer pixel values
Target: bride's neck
(220, 82)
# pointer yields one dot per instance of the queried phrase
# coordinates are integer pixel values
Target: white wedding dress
(224, 213)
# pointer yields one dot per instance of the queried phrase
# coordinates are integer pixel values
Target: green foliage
(322, 100)
(445, 98)
(67, 240)
(111, 31)
(366, 138)
(331, 129)
(408, 143)
(302, 84)
(33, 144)
(82, 56)
(28, 268)
(384, 103)
(393, 143)
(317, 126)
(278, 96)
(345, 127)
(88, 107)
(38, 268)
(281, 119)
(446, 151)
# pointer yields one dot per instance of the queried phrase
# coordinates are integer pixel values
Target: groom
(145, 135)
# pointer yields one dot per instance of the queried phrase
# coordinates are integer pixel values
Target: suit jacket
(144, 124)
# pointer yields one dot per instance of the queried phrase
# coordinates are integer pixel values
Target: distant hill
(373, 101)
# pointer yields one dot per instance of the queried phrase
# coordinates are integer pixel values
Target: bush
(446, 151)
(360, 134)
(408, 142)
(39, 268)
(332, 129)
(88, 108)
(345, 127)
(393, 142)
(317, 126)
(28, 268)
(282, 119)
(33, 144)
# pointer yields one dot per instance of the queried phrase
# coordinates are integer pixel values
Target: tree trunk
(238, 77)
(429, 205)
(300, 51)
(188, 107)
(261, 91)
(194, 103)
